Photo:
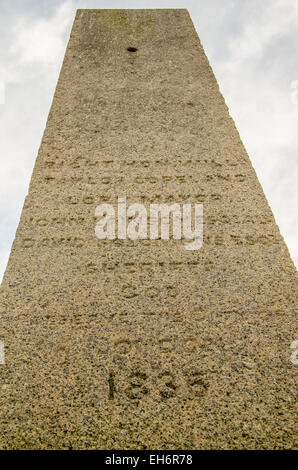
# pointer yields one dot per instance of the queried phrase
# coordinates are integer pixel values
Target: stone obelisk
(141, 344)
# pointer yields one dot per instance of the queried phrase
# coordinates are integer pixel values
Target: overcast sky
(252, 46)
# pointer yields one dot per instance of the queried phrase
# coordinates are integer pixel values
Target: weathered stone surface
(135, 345)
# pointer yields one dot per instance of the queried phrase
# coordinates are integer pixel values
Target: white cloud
(42, 41)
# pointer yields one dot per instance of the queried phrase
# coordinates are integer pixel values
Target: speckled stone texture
(142, 344)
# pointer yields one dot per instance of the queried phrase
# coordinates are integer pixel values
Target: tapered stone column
(142, 344)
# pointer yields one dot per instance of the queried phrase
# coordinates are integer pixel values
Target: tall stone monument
(143, 344)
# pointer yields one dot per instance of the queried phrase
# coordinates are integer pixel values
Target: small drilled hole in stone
(132, 49)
